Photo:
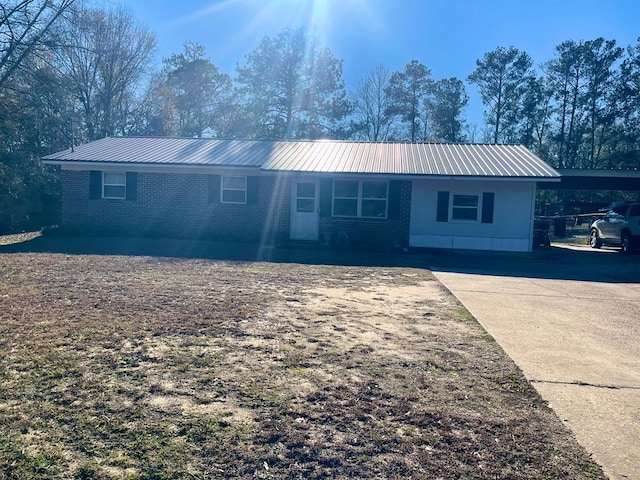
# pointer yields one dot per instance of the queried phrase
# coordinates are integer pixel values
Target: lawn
(139, 367)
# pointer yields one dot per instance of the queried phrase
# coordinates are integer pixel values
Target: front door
(305, 217)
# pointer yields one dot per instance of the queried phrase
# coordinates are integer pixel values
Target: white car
(620, 228)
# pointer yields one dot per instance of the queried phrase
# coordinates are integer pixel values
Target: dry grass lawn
(115, 367)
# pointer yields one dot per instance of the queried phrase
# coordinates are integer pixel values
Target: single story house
(373, 194)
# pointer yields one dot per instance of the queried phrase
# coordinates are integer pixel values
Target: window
(234, 190)
(374, 199)
(114, 185)
(345, 198)
(354, 198)
(471, 208)
(465, 207)
(306, 197)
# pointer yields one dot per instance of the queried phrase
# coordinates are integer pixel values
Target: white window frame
(227, 189)
(359, 198)
(105, 184)
(452, 206)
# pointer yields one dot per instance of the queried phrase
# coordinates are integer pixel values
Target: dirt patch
(18, 238)
(139, 367)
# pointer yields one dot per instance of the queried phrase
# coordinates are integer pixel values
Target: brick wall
(371, 232)
(172, 204)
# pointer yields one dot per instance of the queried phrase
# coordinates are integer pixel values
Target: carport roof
(595, 179)
(319, 156)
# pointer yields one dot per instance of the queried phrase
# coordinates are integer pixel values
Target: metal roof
(320, 156)
(165, 151)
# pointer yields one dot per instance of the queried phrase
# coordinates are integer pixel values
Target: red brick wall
(372, 233)
(176, 204)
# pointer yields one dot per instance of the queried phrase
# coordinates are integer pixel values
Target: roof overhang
(75, 165)
(400, 176)
(146, 167)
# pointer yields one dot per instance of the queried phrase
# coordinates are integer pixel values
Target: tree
(104, 58)
(585, 86)
(565, 79)
(372, 104)
(629, 95)
(602, 104)
(200, 93)
(292, 88)
(502, 75)
(24, 29)
(445, 109)
(536, 116)
(408, 91)
(155, 114)
(30, 123)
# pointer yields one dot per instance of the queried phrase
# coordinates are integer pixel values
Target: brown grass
(18, 238)
(146, 368)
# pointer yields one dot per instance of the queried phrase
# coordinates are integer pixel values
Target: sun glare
(320, 17)
(212, 9)
(325, 16)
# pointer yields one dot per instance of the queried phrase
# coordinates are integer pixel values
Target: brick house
(371, 194)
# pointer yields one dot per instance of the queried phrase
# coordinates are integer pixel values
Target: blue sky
(446, 36)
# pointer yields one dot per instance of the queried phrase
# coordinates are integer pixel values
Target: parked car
(620, 228)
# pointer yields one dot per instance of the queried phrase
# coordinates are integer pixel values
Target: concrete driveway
(570, 318)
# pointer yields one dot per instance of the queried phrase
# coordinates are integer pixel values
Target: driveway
(570, 319)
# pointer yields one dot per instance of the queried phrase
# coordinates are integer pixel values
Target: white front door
(305, 216)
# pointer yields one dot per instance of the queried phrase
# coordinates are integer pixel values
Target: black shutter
(213, 189)
(95, 184)
(395, 186)
(132, 186)
(488, 200)
(442, 210)
(326, 194)
(252, 190)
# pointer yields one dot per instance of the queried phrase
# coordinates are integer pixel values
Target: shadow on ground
(555, 263)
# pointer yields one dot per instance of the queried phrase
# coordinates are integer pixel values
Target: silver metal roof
(320, 156)
(165, 151)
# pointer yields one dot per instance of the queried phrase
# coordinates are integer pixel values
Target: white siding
(511, 230)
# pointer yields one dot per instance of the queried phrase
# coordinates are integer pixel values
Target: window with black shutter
(113, 185)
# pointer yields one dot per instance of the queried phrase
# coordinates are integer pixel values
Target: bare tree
(24, 26)
(371, 106)
(104, 58)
